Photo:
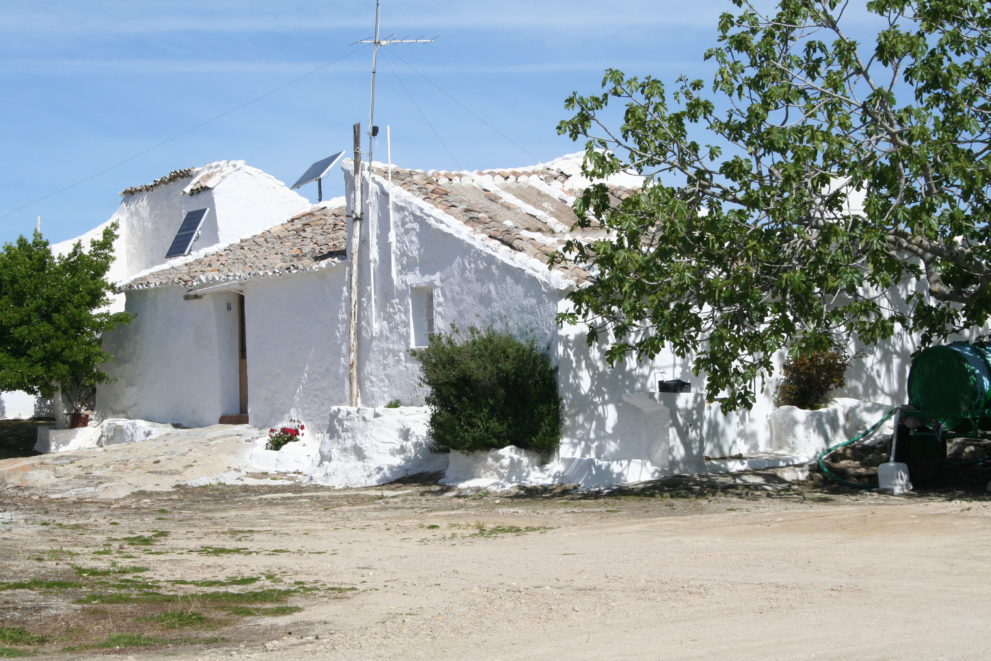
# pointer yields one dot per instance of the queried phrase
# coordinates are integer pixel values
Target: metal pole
(354, 398)
(371, 107)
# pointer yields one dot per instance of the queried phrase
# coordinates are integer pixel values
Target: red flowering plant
(280, 436)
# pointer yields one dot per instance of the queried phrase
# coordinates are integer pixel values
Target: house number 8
(228, 307)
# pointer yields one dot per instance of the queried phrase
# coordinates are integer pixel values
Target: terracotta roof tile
(527, 211)
(302, 243)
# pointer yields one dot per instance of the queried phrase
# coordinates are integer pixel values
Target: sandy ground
(689, 571)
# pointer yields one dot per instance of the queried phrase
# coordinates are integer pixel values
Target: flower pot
(77, 420)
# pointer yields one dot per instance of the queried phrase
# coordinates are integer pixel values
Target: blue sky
(99, 95)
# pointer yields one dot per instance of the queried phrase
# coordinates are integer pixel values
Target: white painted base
(301, 456)
(65, 440)
(807, 433)
(369, 446)
(113, 431)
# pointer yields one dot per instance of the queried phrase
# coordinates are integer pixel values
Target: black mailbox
(674, 385)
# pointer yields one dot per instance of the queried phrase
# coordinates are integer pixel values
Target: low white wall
(110, 432)
(368, 446)
(807, 433)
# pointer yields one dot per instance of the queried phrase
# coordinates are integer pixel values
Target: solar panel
(186, 233)
(317, 170)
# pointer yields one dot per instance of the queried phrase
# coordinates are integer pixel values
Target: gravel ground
(686, 569)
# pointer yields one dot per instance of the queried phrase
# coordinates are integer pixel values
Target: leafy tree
(748, 235)
(52, 314)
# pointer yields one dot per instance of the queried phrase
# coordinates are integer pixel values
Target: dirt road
(419, 572)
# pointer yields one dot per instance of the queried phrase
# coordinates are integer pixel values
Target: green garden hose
(856, 439)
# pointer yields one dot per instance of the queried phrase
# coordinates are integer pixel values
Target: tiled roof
(528, 210)
(302, 243)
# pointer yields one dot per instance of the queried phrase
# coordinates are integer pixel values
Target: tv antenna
(378, 42)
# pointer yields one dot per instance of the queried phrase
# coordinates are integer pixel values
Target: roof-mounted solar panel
(187, 233)
(316, 172)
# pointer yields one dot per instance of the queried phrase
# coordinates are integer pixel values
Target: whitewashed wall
(176, 362)
(471, 287)
(297, 347)
(249, 201)
(243, 201)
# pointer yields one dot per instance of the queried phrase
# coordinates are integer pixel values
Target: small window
(422, 314)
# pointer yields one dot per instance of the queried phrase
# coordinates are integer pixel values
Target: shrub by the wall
(810, 377)
(489, 390)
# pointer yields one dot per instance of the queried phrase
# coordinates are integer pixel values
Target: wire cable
(423, 115)
(469, 110)
(175, 137)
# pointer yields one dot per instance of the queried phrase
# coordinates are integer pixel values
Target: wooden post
(354, 398)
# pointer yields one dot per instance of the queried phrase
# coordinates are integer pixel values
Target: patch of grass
(251, 597)
(431, 526)
(131, 640)
(104, 551)
(130, 584)
(270, 611)
(12, 653)
(222, 550)
(340, 590)
(19, 636)
(122, 598)
(180, 619)
(482, 531)
(162, 510)
(110, 571)
(270, 595)
(210, 583)
(40, 584)
(145, 540)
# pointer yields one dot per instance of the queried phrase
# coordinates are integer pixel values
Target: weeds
(40, 584)
(482, 531)
(222, 550)
(180, 619)
(18, 636)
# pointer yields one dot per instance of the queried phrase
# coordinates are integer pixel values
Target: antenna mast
(377, 42)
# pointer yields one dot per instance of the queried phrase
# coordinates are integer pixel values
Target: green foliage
(52, 316)
(180, 619)
(19, 636)
(810, 377)
(489, 390)
(742, 241)
(393, 404)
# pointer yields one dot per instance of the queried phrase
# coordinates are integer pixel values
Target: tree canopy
(788, 196)
(52, 315)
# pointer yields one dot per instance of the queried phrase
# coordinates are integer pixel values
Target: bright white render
(240, 201)
(259, 330)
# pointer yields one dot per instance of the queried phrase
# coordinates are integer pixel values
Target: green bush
(489, 390)
(810, 377)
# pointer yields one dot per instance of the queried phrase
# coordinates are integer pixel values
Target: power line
(469, 110)
(424, 116)
(183, 133)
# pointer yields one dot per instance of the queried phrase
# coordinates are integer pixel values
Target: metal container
(952, 382)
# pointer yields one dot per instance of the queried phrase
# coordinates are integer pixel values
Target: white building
(239, 200)
(259, 329)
